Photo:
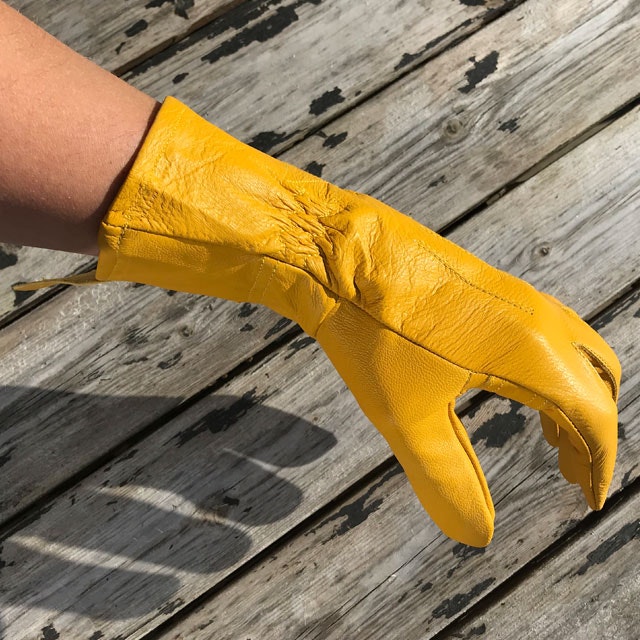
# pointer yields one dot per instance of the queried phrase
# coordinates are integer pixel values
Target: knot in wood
(454, 129)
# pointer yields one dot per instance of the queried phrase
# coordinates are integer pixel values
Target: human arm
(70, 131)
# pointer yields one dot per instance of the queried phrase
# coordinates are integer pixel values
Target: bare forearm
(70, 131)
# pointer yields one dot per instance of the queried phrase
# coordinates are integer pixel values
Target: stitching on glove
(465, 385)
(502, 382)
(156, 192)
(546, 404)
(456, 273)
(255, 282)
(498, 383)
(465, 444)
(273, 271)
(585, 352)
(584, 442)
(327, 315)
(268, 282)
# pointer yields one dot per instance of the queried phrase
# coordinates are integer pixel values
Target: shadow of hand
(186, 504)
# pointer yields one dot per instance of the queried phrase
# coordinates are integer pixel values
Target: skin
(70, 132)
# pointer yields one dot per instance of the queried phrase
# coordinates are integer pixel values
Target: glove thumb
(409, 394)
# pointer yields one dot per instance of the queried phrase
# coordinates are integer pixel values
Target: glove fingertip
(597, 496)
(479, 534)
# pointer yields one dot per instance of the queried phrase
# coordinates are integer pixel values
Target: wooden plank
(119, 33)
(462, 146)
(375, 567)
(250, 44)
(430, 123)
(238, 469)
(137, 354)
(214, 463)
(355, 51)
(590, 589)
(83, 372)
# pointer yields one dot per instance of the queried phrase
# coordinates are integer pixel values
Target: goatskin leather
(409, 320)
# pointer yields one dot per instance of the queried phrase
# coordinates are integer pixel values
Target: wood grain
(238, 469)
(96, 365)
(36, 349)
(590, 589)
(119, 33)
(231, 72)
(429, 123)
(560, 68)
(375, 567)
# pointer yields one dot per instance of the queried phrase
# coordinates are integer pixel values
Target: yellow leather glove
(409, 319)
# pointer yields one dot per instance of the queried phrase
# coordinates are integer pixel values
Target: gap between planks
(285, 557)
(242, 18)
(613, 136)
(120, 34)
(615, 506)
(443, 199)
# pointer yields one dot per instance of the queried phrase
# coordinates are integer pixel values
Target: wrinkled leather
(409, 320)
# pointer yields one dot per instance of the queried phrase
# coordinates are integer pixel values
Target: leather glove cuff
(185, 219)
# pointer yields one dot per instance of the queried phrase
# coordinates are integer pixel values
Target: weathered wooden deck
(176, 466)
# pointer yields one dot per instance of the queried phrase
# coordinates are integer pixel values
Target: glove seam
(472, 456)
(273, 271)
(548, 403)
(586, 444)
(468, 282)
(340, 299)
(502, 381)
(147, 204)
(210, 242)
(327, 315)
(582, 348)
(268, 282)
(255, 282)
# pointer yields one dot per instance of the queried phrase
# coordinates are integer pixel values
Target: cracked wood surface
(590, 589)
(212, 480)
(99, 368)
(241, 467)
(118, 33)
(226, 71)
